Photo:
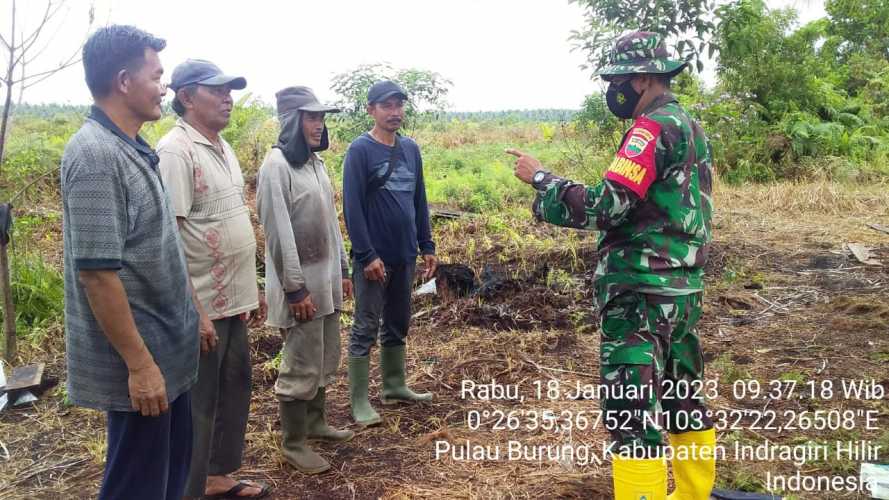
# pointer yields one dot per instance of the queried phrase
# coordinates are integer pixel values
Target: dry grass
(808, 198)
(815, 212)
(783, 300)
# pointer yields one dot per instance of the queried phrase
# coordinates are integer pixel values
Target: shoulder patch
(634, 165)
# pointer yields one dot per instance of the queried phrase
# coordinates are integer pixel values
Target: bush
(252, 131)
(34, 149)
(37, 291)
(597, 124)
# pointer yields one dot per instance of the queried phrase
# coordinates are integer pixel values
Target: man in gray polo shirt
(206, 187)
(131, 328)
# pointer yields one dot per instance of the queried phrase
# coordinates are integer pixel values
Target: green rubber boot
(362, 411)
(317, 421)
(394, 387)
(296, 452)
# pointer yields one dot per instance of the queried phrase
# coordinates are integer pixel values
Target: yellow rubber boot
(694, 476)
(639, 479)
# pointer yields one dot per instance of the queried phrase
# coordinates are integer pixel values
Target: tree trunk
(9, 346)
(22, 86)
(5, 120)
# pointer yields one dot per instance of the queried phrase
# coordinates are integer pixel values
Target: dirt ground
(785, 300)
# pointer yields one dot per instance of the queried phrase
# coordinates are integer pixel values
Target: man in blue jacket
(388, 223)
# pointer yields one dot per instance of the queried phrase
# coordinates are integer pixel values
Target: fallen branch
(772, 305)
(64, 464)
(560, 370)
(21, 191)
(428, 371)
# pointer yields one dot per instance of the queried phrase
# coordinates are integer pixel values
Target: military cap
(640, 52)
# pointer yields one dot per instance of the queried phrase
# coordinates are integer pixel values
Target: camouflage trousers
(652, 369)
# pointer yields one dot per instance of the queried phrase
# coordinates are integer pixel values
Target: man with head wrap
(306, 273)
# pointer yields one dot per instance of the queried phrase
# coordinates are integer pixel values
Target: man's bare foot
(220, 484)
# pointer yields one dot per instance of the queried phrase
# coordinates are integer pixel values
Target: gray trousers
(382, 309)
(220, 402)
(309, 359)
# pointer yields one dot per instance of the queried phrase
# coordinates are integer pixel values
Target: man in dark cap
(206, 188)
(384, 203)
(306, 273)
(653, 210)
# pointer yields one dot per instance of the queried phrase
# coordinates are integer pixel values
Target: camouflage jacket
(653, 207)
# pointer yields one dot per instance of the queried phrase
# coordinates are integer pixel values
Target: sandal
(240, 486)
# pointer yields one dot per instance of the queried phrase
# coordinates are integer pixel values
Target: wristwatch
(539, 177)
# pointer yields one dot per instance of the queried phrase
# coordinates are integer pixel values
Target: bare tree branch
(48, 74)
(73, 59)
(28, 81)
(4, 66)
(4, 121)
(48, 42)
(22, 87)
(9, 69)
(21, 54)
(39, 178)
(36, 33)
(10, 66)
(28, 41)
(12, 33)
(43, 24)
(70, 62)
(6, 44)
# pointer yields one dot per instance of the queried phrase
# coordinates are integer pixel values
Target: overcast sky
(500, 54)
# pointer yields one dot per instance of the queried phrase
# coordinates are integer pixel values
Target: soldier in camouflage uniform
(653, 211)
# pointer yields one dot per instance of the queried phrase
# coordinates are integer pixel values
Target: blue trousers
(148, 457)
